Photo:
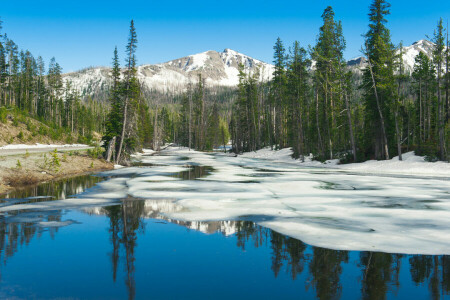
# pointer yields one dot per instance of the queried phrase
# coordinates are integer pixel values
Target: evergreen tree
(113, 124)
(298, 88)
(131, 95)
(424, 76)
(438, 60)
(378, 82)
(328, 79)
(278, 108)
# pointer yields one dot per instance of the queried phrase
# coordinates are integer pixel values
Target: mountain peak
(231, 51)
(216, 68)
(422, 42)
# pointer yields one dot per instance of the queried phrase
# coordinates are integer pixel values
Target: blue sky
(83, 33)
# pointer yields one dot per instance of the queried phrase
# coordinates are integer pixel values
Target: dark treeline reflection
(379, 272)
(373, 275)
(126, 221)
(18, 228)
(56, 190)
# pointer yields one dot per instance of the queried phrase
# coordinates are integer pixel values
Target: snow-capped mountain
(217, 68)
(409, 54)
(156, 209)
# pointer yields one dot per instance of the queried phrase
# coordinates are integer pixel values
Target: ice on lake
(322, 207)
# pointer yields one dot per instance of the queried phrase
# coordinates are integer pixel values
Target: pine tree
(3, 68)
(41, 89)
(278, 132)
(328, 79)
(438, 60)
(298, 88)
(131, 90)
(378, 82)
(113, 124)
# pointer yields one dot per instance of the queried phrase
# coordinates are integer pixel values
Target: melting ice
(322, 207)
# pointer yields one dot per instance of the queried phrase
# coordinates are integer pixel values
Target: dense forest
(317, 105)
(314, 103)
(27, 87)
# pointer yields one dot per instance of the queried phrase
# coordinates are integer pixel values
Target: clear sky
(83, 33)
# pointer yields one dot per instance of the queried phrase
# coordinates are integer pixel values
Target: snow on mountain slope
(217, 68)
(409, 54)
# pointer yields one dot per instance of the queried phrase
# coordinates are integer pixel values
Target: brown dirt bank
(22, 170)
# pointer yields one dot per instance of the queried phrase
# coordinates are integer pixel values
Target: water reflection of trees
(434, 269)
(126, 222)
(56, 190)
(18, 228)
(380, 272)
(324, 264)
(322, 268)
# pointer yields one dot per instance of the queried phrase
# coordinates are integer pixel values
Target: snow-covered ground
(18, 149)
(410, 165)
(39, 146)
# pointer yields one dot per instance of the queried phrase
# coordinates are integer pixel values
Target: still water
(143, 247)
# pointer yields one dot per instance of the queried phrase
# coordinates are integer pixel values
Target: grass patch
(21, 178)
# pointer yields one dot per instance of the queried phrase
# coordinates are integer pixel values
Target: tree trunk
(320, 144)
(122, 136)
(111, 147)
(350, 126)
(440, 116)
(383, 130)
(397, 133)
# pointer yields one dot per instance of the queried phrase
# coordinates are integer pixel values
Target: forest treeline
(27, 85)
(135, 121)
(315, 104)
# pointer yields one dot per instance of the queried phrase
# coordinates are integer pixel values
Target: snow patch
(39, 146)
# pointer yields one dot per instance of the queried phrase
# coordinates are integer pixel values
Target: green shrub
(43, 130)
(55, 160)
(82, 140)
(69, 139)
(3, 114)
(96, 152)
(31, 127)
(55, 134)
(20, 135)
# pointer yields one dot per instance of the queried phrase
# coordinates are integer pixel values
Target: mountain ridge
(218, 69)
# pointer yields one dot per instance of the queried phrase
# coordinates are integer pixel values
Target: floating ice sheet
(321, 206)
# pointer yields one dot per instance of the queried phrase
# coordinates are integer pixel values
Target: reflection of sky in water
(324, 208)
(157, 247)
(162, 260)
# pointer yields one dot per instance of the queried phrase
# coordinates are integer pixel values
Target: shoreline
(32, 169)
(411, 165)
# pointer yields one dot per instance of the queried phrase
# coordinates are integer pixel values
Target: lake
(187, 225)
